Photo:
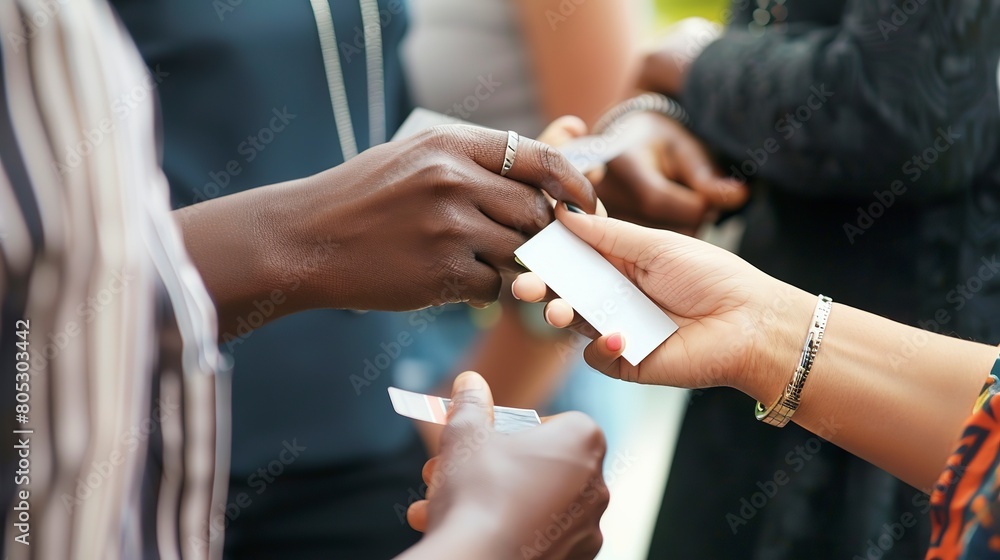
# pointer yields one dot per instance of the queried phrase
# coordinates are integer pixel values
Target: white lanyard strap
(335, 74)
(376, 82)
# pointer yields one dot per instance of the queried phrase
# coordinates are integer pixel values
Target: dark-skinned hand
(670, 182)
(508, 489)
(429, 220)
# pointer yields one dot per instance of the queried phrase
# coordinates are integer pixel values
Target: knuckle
(460, 428)
(540, 213)
(466, 420)
(451, 266)
(496, 284)
(488, 290)
(646, 196)
(446, 279)
(592, 355)
(453, 138)
(598, 443)
(594, 544)
(628, 374)
(449, 222)
(441, 173)
(603, 497)
(552, 162)
(466, 400)
(436, 137)
(451, 436)
(508, 240)
(586, 432)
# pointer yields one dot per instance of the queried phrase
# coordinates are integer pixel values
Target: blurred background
(669, 11)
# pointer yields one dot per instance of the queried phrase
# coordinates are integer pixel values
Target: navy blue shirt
(245, 103)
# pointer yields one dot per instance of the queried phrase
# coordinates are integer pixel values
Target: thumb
(471, 401)
(563, 130)
(611, 237)
(470, 415)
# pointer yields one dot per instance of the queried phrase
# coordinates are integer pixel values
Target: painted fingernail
(615, 342)
(574, 209)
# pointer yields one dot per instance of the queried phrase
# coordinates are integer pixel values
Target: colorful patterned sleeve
(965, 511)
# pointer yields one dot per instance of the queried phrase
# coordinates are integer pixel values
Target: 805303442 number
(22, 377)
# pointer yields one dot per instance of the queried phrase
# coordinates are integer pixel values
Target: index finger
(535, 164)
(698, 171)
(660, 198)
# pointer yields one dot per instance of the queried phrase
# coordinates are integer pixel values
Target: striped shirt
(117, 331)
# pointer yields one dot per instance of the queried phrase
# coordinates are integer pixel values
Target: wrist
(781, 327)
(466, 532)
(666, 69)
(659, 74)
(237, 242)
(305, 253)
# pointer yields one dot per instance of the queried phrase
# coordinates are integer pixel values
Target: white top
(468, 59)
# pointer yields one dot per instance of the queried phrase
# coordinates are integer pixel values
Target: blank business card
(586, 153)
(421, 119)
(594, 287)
(428, 408)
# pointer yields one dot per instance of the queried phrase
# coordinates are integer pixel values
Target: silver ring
(508, 158)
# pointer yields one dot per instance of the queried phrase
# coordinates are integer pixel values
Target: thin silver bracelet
(653, 102)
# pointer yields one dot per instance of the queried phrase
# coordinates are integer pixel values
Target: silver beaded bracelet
(653, 102)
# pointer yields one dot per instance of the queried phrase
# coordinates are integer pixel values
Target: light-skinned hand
(723, 306)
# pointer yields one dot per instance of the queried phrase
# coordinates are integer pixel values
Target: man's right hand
(427, 220)
(539, 493)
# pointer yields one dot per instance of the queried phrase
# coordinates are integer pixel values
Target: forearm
(583, 62)
(242, 245)
(892, 394)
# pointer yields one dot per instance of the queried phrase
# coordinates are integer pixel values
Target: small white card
(594, 287)
(586, 153)
(428, 408)
(421, 119)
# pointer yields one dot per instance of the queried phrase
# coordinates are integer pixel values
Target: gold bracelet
(782, 409)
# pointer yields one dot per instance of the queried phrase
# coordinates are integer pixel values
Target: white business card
(428, 408)
(421, 119)
(586, 153)
(596, 290)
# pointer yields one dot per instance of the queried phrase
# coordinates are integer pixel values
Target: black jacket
(885, 183)
(869, 130)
